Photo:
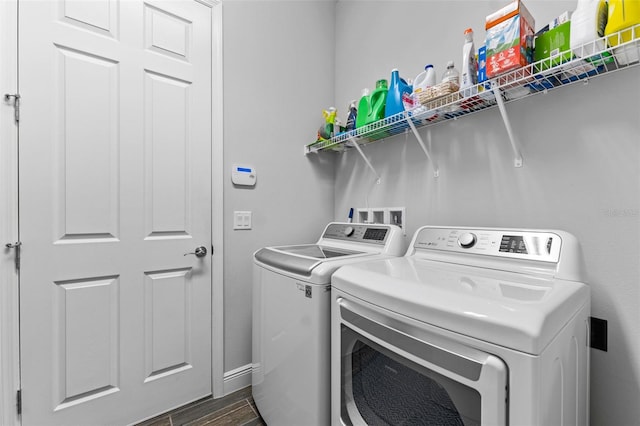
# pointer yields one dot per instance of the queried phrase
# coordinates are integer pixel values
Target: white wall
(581, 168)
(278, 76)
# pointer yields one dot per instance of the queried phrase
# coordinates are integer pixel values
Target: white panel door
(115, 187)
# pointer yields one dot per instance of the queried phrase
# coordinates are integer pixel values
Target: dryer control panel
(517, 244)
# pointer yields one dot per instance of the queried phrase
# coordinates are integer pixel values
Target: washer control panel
(519, 244)
(372, 234)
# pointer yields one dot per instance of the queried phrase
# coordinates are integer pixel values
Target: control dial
(348, 231)
(467, 240)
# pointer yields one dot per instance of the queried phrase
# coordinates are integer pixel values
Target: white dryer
(470, 327)
(291, 318)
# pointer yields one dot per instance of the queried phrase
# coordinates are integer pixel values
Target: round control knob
(467, 240)
(348, 231)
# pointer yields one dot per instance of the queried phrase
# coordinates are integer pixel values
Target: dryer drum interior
(388, 389)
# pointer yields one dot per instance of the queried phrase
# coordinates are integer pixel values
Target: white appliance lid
(317, 251)
(340, 243)
(517, 311)
(300, 259)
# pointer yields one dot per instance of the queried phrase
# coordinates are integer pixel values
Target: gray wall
(278, 76)
(581, 157)
(581, 168)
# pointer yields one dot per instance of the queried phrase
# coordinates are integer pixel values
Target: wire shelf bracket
(436, 172)
(517, 162)
(355, 144)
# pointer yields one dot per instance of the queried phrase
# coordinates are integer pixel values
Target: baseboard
(237, 379)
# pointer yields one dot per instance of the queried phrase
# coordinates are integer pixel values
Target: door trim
(217, 211)
(9, 302)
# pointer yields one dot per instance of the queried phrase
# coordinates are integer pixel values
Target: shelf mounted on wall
(560, 70)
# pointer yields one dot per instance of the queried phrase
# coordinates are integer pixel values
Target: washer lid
(317, 251)
(300, 259)
(517, 311)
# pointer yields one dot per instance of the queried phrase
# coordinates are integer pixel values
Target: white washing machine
(470, 327)
(291, 318)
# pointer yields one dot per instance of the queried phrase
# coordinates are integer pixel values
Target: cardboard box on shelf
(561, 19)
(553, 45)
(482, 64)
(509, 39)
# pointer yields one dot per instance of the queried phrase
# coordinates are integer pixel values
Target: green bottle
(363, 108)
(378, 101)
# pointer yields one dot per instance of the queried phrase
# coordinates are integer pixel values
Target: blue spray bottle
(352, 117)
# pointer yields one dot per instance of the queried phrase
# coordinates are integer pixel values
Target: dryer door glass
(395, 372)
(387, 389)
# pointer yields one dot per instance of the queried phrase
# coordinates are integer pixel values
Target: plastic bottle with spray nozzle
(326, 131)
(469, 77)
(352, 117)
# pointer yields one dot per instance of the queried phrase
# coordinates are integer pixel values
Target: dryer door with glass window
(395, 371)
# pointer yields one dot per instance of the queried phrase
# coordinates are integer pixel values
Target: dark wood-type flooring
(236, 409)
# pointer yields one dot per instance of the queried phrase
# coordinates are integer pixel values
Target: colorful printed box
(509, 39)
(482, 64)
(553, 45)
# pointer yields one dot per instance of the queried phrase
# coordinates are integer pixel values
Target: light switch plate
(241, 220)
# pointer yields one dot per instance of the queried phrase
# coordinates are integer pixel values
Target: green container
(378, 101)
(364, 106)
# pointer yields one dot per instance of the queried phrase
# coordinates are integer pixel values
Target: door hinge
(16, 104)
(19, 401)
(16, 246)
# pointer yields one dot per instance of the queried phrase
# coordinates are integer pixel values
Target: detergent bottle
(623, 16)
(425, 79)
(364, 107)
(378, 102)
(588, 23)
(397, 88)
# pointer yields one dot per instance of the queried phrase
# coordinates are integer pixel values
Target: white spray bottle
(469, 77)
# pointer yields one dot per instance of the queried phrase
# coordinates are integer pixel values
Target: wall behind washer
(278, 76)
(581, 168)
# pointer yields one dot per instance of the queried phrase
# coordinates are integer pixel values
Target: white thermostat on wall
(243, 175)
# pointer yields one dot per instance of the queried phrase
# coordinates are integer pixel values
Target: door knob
(200, 252)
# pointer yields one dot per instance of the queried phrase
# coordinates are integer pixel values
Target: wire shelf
(605, 55)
